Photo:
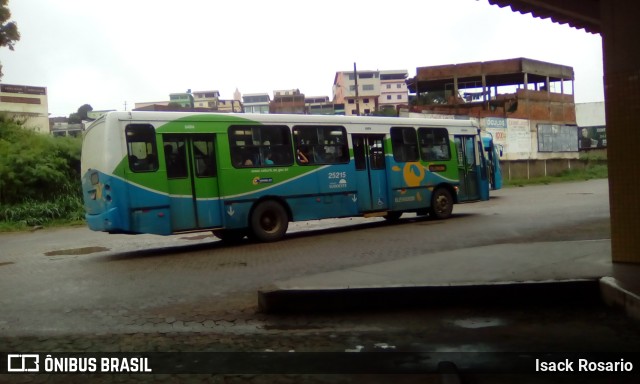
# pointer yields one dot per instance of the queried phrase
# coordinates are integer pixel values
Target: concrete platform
(546, 272)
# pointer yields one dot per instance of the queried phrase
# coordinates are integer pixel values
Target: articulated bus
(243, 175)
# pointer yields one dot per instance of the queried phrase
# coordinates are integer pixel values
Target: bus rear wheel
(269, 221)
(441, 204)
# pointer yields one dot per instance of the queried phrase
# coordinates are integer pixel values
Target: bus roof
(466, 126)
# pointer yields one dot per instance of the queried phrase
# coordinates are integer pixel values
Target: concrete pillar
(455, 89)
(484, 92)
(620, 31)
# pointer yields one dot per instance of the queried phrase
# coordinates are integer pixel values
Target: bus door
(467, 168)
(493, 151)
(371, 173)
(192, 178)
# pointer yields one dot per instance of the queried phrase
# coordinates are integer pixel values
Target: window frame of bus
(438, 133)
(313, 148)
(403, 148)
(257, 153)
(147, 133)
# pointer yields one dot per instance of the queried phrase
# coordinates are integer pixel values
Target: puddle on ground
(6, 263)
(77, 251)
(479, 322)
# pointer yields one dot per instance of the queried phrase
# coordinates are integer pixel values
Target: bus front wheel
(441, 204)
(269, 221)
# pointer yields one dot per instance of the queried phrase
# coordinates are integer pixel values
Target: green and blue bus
(243, 175)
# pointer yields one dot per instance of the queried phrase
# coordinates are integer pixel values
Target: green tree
(81, 114)
(34, 166)
(428, 98)
(389, 111)
(8, 29)
(84, 110)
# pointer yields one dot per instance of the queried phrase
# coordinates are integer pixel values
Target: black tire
(230, 236)
(269, 221)
(441, 204)
(393, 216)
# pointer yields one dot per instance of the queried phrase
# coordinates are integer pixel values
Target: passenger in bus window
(246, 158)
(443, 150)
(302, 157)
(438, 153)
(267, 159)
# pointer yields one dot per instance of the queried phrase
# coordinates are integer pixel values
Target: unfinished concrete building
(515, 88)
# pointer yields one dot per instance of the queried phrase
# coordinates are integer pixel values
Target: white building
(393, 89)
(28, 102)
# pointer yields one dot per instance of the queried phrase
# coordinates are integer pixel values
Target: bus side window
(141, 147)
(260, 146)
(404, 143)
(321, 144)
(434, 144)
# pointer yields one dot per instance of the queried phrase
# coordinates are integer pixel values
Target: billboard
(592, 137)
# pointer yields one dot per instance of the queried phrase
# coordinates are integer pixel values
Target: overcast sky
(106, 53)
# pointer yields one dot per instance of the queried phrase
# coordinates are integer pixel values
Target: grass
(597, 171)
(63, 211)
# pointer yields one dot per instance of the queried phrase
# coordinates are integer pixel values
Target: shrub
(36, 167)
(31, 213)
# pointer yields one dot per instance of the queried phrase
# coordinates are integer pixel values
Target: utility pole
(125, 105)
(355, 76)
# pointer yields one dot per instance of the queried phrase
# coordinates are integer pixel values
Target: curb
(616, 296)
(578, 291)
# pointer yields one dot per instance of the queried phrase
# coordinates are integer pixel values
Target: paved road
(75, 290)
(76, 281)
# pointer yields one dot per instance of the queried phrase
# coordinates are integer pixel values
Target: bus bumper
(108, 221)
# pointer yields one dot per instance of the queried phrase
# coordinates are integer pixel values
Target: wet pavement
(188, 293)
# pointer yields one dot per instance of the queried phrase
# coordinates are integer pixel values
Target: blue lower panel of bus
(324, 206)
(183, 215)
(237, 214)
(407, 199)
(142, 221)
(209, 213)
(151, 220)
